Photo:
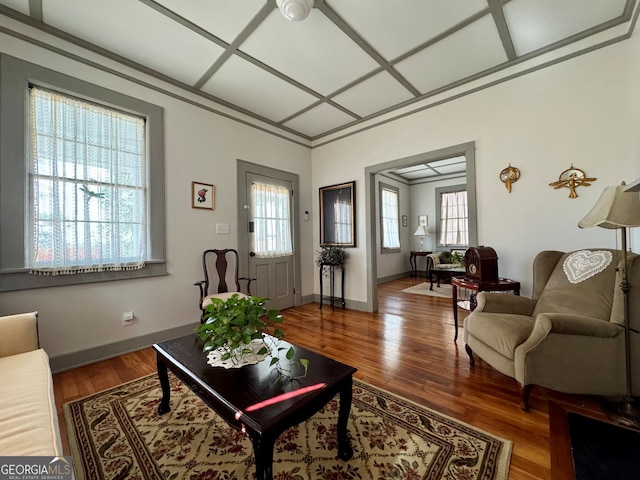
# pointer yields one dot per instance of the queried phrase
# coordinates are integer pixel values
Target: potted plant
(331, 255)
(457, 258)
(241, 330)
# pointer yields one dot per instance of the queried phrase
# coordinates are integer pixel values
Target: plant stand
(332, 296)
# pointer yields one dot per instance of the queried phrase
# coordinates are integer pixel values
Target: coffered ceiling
(348, 62)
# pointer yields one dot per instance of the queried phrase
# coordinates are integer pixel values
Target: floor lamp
(619, 209)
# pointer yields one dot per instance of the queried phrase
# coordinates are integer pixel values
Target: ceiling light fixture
(295, 10)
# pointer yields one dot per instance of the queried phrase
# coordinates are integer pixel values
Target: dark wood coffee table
(444, 273)
(230, 391)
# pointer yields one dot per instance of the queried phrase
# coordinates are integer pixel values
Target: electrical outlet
(127, 319)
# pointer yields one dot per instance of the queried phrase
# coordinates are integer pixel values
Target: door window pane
(272, 222)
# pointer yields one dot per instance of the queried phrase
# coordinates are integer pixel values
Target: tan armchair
(569, 337)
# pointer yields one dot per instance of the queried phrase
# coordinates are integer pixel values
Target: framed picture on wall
(338, 215)
(202, 195)
(423, 221)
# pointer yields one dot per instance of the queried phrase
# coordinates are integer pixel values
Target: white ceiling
(453, 167)
(349, 61)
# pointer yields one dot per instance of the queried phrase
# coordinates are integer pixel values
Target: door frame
(243, 168)
(467, 149)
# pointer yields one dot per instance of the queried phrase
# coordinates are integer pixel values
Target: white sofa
(28, 417)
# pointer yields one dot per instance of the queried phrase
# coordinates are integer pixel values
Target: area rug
(118, 434)
(603, 451)
(444, 290)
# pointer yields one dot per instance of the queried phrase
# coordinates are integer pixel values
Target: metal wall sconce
(572, 178)
(509, 176)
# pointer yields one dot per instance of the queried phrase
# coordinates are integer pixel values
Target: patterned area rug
(118, 434)
(444, 290)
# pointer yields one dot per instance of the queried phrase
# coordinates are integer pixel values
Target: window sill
(13, 280)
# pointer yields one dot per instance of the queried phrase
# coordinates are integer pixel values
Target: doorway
(466, 149)
(268, 236)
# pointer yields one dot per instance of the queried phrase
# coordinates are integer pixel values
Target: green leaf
(274, 360)
(290, 353)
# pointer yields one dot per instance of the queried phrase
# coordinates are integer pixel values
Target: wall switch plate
(222, 228)
(127, 319)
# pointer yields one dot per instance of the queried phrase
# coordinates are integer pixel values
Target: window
(272, 229)
(82, 199)
(389, 218)
(454, 218)
(88, 186)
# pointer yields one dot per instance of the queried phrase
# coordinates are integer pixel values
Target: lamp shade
(614, 209)
(421, 230)
(295, 10)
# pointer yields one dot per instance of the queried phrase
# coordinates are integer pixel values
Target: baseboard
(306, 299)
(85, 357)
(392, 277)
(351, 304)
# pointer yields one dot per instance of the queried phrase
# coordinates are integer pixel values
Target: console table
(332, 296)
(502, 285)
(412, 262)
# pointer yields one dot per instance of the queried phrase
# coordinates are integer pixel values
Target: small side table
(412, 262)
(332, 296)
(502, 285)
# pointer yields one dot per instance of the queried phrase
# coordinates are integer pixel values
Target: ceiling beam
(231, 49)
(35, 10)
(503, 29)
(364, 45)
(234, 49)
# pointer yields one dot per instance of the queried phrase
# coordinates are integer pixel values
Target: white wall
(199, 146)
(579, 112)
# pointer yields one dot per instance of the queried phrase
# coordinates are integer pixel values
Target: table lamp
(421, 231)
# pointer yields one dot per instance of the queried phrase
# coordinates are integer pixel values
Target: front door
(270, 238)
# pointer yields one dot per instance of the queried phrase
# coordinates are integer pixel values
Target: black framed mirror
(338, 215)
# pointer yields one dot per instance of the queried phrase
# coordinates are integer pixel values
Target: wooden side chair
(216, 264)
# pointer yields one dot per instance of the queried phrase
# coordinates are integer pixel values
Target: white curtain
(272, 223)
(454, 219)
(88, 187)
(390, 221)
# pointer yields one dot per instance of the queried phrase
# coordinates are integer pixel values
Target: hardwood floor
(407, 348)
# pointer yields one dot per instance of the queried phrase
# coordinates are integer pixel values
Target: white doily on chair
(585, 264)
(213, 357)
